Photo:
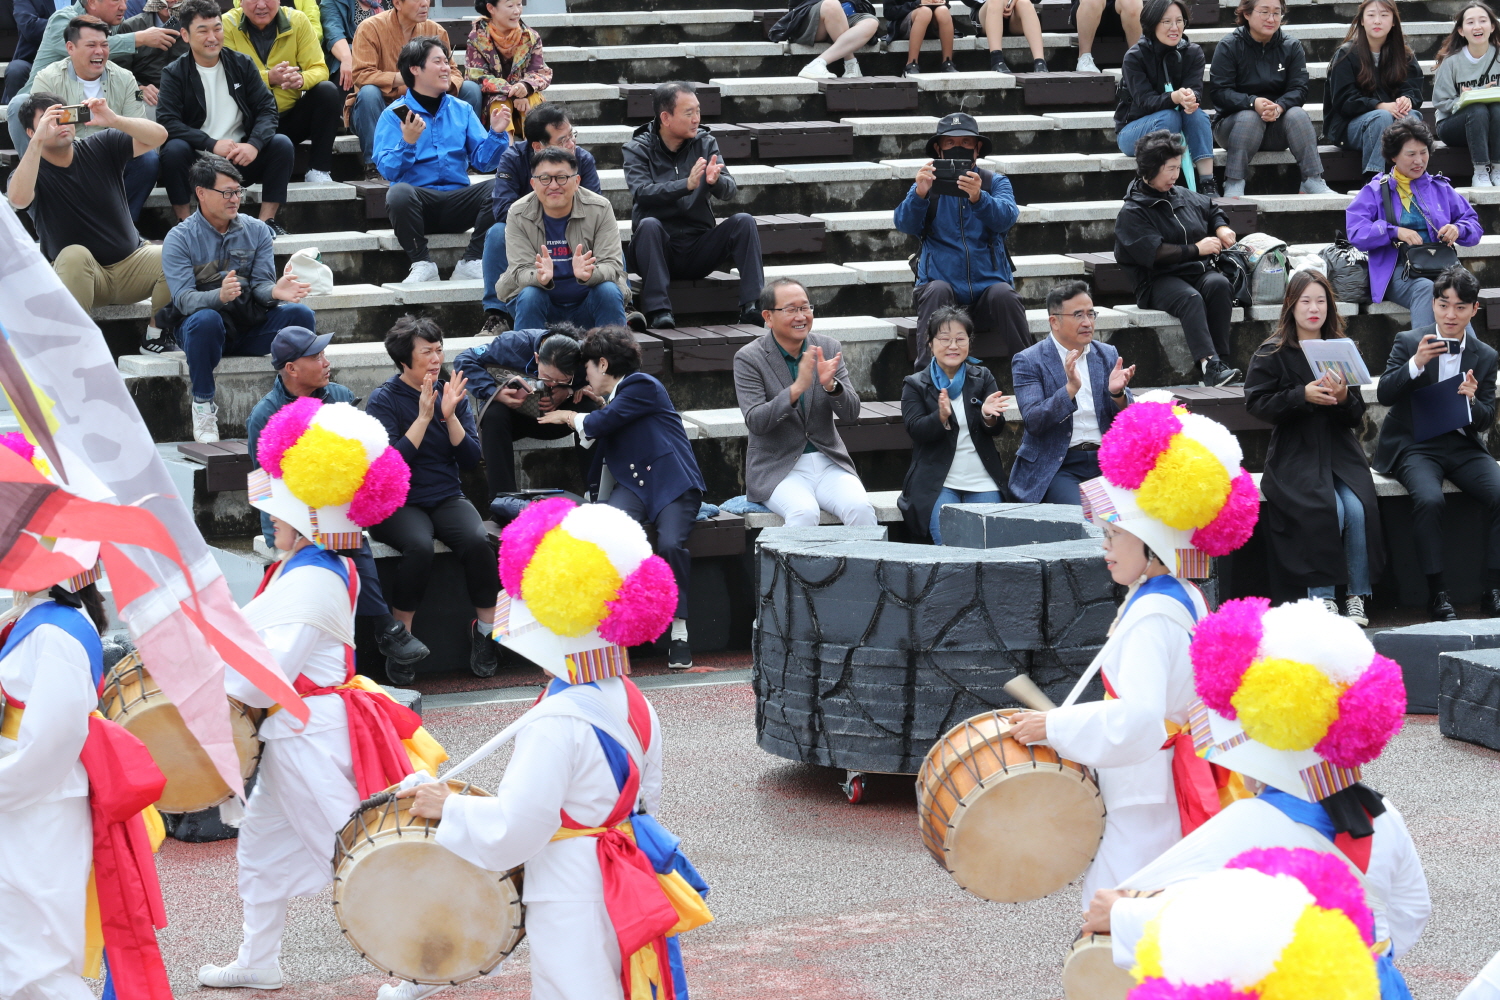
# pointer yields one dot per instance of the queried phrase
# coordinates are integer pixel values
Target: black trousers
(1422, 469)
(500, 428)
(658, 258)
(272, 169)
(1079, 465)
(1202, 304)
(998, 313)
(454, 522)
(673, 525)
(414, 212)
(316, 116)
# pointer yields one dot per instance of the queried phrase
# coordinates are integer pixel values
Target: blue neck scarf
(954, 385)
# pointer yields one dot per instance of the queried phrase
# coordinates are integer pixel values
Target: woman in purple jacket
(1407, 205)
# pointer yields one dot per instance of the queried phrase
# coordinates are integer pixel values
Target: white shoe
(407, 991)
(468, 270)
(1086, 63)
(1315, 185)
(206, 431)
(232, 976)
(422, 270)
(1331, 605)
(1495, 174)
(851, 68)
(1234, 188)
(1482, 177)
(319, 177)
(816, 70)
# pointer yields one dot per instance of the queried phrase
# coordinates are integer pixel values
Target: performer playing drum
(1172, 495)
(324, 467)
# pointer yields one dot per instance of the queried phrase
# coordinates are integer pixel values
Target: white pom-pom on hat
(1217, 439)
(1308, 632)
(1259, 911)
(346, 421)
(622, 539)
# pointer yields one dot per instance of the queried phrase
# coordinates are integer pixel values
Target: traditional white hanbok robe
(1486, 985)
(1146, 664)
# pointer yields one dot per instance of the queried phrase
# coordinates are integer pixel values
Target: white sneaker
(1234, 188)
(319, 177)
(468, 270)
(1086, 63)
(206, 431)
(407, 991)
(851, 68)
(232, 976)
(1315, 185)
(816, 70)
(1495, 174)
(1331, 605)
(422, 270)
(1482, 178)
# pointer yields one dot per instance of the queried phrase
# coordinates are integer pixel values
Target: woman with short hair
(1374, 81)
(1163, 81)
(504, 58)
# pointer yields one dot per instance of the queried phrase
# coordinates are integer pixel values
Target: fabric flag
(64, 386)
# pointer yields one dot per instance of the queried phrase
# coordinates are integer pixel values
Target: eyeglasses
(1176, 22)
(553, 180)
(1273, 13)
(561, 383)
(950, 341)
(793, 310)
(1079, 315)
(230, 194)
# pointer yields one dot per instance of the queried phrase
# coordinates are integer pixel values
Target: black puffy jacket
(1244, 69)
(1177, 219)
(1148, 70)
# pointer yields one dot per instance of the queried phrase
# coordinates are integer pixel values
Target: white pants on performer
(575, 954)
(817, 484)
(1134, 836)
(46, 851)
(304, 794)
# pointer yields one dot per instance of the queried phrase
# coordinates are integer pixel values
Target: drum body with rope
(1009, 822)
(414, 909)
(1090, 972)
(131, 698)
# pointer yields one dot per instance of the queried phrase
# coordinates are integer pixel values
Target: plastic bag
(307, 264)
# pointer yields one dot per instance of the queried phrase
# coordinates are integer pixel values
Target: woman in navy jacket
(643, 463)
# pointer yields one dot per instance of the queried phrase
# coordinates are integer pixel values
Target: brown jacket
(377, 45)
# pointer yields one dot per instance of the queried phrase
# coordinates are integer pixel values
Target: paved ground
(820, 900)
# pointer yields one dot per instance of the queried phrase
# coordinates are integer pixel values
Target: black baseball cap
(960, 124)
(295, 342)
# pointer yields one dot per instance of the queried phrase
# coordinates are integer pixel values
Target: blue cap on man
(295, 342)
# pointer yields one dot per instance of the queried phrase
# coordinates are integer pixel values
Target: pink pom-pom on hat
(1332, 885)
(282, 431)
(1371, 711)
(644, 608)
(1223, 647)
(1136, 439)
(520, 538)
(16, 442)
(1162, 989)
(384, 489)
(1235, 522)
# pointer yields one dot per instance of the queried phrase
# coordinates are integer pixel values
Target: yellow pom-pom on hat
(1286, 704)
(324, 469)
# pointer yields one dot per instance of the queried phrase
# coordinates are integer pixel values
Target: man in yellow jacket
(283, 43)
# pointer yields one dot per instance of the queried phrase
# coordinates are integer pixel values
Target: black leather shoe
(750, 316)
(482, 659)
(1489, 604)
(396, 643)
(663, 320)
(398, 675)
(1440, 609)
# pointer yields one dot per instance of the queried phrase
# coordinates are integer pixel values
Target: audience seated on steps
(1257, 84)
(563, 244)
(309, 8)
(504, 59)
(53, 48)
(424, 145)
(846, 31)
(431, 424)
(790, 384)
(146, 63)
(673, 167)
(911, 19)
(288, 52)
(515, 379)
(226, 297)
(377, 79)
(1086, 18)
(964, 260)
(1374, 81)
(1069, 387)
(87, 73)
(546, 125)
(1021, 17)
(31, 20)
(1320, 517)
(643, 463)
(1162, 85)
(1166, 238)
(952, 410)
(213, 100)
(341, 19)
(1407, 206)
(1420, 358)
(1467, 60)
(74, 190)
(302, 369)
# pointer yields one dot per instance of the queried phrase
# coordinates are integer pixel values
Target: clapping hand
(713, 169)
(454, 391)
(500, 116)
(828, 370)
(1469, 386)
(290, 288)
(994, 407)
(695, 175)
(583, 264)
(230, 289)
(543, 269)
(945, 407)
(1070, 369)
(426, 399)
(1120, 376)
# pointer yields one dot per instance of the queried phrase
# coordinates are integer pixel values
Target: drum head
(1025, 834)
(1091, 972)
(192, 781)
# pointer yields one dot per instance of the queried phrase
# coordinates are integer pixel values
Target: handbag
(1427, 260)
(1348, 270)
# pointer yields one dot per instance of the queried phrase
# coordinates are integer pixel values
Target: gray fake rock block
(1417, 648)
(997, 525)
(1469, 696)
(818, 534)
(405, 696)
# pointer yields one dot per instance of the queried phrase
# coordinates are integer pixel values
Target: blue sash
(1168, 586)
(311, 555)
(70, 620)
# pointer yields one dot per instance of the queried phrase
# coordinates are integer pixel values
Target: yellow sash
(10, 722)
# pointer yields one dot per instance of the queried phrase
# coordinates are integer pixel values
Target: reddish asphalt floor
(819, 900)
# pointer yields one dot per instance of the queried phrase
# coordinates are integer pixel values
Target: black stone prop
(1469, 696)
(1419, 648)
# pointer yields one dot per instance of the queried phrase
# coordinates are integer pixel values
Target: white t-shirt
(92, 88)
(967, 473)
(223, 120)
(1085, 420)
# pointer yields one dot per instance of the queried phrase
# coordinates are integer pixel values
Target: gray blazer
(778, 430)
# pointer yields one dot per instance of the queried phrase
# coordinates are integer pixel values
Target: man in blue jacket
(425, 143)
(964, 260)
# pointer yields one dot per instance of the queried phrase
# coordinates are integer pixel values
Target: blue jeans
(1364, 135)
(140, 178)
(533, 308)
(948, 496)
(1356, 557)
(1413, 293)
(203, 337)
(370, 104)
(1200, 134)
(495, 263)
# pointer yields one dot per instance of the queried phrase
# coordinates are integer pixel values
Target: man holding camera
(961, 214)
(1419, 359)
